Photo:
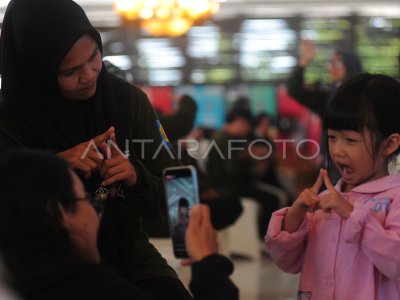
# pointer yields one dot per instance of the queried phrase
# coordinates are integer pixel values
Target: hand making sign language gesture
(308, 201)
(86, 156)
(116, 167)
(334, 200)
(101, 154)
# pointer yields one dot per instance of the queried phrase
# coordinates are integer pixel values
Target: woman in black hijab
(342, 66)
(58, 97)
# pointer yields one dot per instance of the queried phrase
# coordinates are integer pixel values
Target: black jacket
(315, 99)
(81, 281)
(35, 37)
(180, 123)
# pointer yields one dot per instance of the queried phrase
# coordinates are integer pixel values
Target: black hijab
(351, 62)
(36, 36)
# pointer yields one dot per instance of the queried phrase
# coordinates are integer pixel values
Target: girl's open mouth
(346, 171)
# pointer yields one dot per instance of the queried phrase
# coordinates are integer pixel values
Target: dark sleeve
(316, 100)
(179, 124)
(151, 154)
(119, 288)
(210, 279)
(101, 283)
(224, 210)
(9, 139)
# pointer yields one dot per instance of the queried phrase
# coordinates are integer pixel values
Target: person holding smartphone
(48, 235)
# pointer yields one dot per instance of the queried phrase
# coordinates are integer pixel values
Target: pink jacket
(353, 259)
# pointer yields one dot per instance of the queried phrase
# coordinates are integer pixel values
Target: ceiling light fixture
(167, 17)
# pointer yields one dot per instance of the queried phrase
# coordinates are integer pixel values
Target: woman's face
(78, 72)
(337, 69)
(83, 224)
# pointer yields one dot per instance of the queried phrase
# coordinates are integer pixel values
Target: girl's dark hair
(370, 101)
(33, 186)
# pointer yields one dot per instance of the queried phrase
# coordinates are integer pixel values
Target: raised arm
(316, 99)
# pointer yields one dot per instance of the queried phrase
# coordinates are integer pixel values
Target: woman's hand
(117, 166)
(200, 237)
(334, 200)
(307, 49)
(86, 156)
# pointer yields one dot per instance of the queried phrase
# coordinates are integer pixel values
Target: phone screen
(181, 192)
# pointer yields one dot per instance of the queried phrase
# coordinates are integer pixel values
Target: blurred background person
(228, 159)
(225, 209)
(179, 124)
(231, 163)
(342, 66)
(264, 168)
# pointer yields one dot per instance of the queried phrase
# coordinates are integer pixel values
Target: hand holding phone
(181, 190)
(201, 237)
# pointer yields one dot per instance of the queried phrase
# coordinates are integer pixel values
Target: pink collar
(379, 185)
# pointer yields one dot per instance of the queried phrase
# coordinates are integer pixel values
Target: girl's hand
(334, 200)
(85, 156)
(306, 202)
(117, 166)
(308, 199)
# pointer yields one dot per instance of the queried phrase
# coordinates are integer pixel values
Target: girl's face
(78, 72)
(352, 154)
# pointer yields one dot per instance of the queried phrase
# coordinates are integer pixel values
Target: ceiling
(101, 14)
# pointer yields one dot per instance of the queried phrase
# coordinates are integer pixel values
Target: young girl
(346, 240)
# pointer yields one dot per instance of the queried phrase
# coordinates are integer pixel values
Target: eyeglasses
(98, 205)
(334, 65)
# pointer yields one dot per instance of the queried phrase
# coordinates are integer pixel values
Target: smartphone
(181, 190)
